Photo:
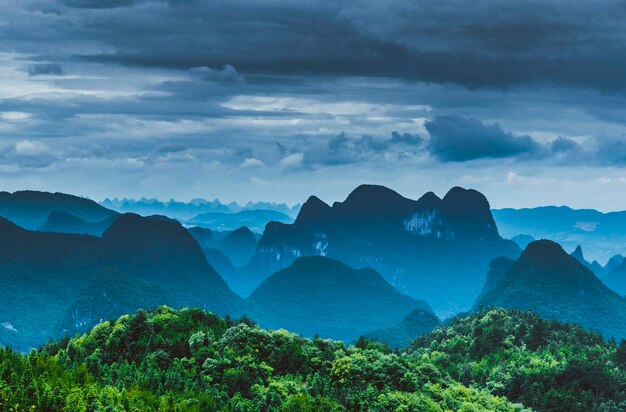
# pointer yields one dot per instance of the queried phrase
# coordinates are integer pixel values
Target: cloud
(612, 151)
(31, 148)
(98, 4)
(251, 163)
(227, 74)
(27, 155)
(459, 139)
(406, 138)
(43, 69)
(563, 144)
(478, 45)
(292, 161)
(343, 149)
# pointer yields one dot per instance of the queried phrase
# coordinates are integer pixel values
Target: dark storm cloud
(343, 149)
(459, 139)
(563, 144)
(406, 138)
(475, 44)
(612, 151)
(45, 69)
(98, 4)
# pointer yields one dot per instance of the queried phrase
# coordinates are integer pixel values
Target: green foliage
(190, 360)
(542, 364)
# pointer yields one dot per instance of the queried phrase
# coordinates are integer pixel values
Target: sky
(277, 100)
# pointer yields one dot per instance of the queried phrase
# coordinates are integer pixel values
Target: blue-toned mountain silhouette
(551, 283)
(31, 210)
(320, 296)
(61, 222)
(417, 323)
(616, 279)
(255, 219)
(238, 245)
(594, 266)
(602, 235)
(108, 295)
(44, 273)
(433, 249)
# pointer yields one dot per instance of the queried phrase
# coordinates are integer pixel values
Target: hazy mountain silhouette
(109, 295)
(613, 263)
(317, 295)
(433, 249)
(616, 279)
(31, 209)
(43, 273)
(522, 240)
(222, 265)
(417, 323)
(497, 269)
(254, 219)
(61, 222)
(238, 245)
(601, 234)
(594, 266)
(553, 284)
(187, 210)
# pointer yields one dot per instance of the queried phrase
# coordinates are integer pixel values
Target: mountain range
(433, 249)
(143, 262)
(238, 246)
(601, 234)
(31, 210)
(377, 264)
(43, 274)
(187, 210)
(253, 219)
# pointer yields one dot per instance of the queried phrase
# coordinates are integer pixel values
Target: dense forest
(191, 360)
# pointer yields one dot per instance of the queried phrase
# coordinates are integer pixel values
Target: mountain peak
(369, 199)
(242, 233)
(314, 209)
(317, 285)
(152, 230)
(545, 261)
(468, 202)
(469, 213)
(544, 251)
(429, 201)
(578, 254)
(548, 281)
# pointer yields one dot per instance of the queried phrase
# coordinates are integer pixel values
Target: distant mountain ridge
(253, 219)
(31, 209)
(616, 278)
(61, 222)
(187, 210)
(422, 247)
(601, 234)
(237, 246)
(594, 266)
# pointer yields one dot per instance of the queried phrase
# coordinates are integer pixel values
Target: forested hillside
(190, 360)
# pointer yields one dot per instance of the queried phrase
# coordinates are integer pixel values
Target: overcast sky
(276, 100)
